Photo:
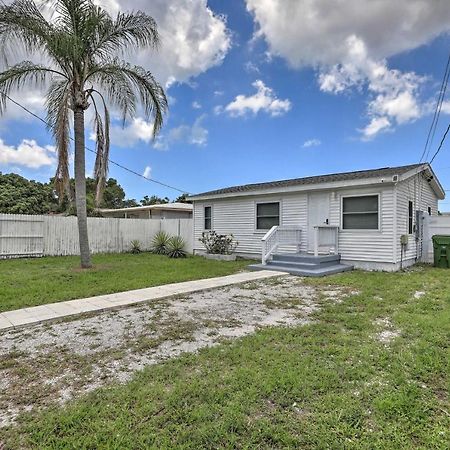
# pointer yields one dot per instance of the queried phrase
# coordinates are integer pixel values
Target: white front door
(318, 214)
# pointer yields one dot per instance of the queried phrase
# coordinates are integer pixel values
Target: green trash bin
(441, 247)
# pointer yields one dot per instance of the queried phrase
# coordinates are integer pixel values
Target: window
(360, 213)
(267, 215)
(208, 218)
(429, 210)
(410, 217)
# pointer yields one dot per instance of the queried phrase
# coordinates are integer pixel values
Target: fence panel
(433, 225)
(22, 235)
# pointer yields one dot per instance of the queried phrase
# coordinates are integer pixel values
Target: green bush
(160, 243)
(176, 247)
(136, 247)
(219, 244)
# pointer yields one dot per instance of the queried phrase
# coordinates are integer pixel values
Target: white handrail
(332, 245)
(279, 235)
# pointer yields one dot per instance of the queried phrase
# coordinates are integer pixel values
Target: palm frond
(22, 24)
(102, 129)
(21, 74)
(143, 85)
(58, 120)
(127, 32)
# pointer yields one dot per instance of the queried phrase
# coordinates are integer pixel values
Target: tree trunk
(80, 187)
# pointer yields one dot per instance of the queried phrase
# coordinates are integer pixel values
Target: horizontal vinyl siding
(237, 216)
(366, 245)
(417, 190)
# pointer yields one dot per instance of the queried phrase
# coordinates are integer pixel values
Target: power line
(437, 112)
(93, 151)
(441, 144)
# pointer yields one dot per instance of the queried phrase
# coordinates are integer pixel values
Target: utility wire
(441, 144)
(437, 111)
(93, 151)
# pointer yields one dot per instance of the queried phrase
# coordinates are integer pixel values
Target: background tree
(21, 196)
(153, 200)
(183, 198)
(83, 46)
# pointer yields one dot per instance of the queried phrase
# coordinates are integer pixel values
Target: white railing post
(279, 235)
(316, 241)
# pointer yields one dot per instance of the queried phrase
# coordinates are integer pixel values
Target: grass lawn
(330, 384)
(31, 282)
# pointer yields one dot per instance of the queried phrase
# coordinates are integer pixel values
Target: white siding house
(158, 211)
(361, 215)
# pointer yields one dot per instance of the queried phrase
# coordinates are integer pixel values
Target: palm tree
(81, 47)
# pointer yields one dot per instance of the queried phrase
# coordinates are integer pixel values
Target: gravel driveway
(54, 362)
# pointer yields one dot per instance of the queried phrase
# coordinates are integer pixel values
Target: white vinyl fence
(27, 235)
(433, 225)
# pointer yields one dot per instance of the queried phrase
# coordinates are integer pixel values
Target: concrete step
(316, 272)
(306, 258)
(303, 265)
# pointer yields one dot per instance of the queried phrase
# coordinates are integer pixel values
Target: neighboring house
(359, 215)
(161, 211)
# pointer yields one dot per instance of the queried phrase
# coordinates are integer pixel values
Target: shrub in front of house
(135, 246)
(176, 247)
(218, 244)
(160, 243)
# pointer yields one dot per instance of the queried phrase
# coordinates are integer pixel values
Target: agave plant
(160, 243)
(136, 246)
(176, 247)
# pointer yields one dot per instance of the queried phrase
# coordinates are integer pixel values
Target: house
(366, 219)
(160, 211)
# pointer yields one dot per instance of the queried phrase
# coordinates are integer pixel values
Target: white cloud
(376, 125)
(195, 134)
(193, 38)
(348, 46)
(147, 172)
(138, 130)
(264, 100)
(394, 95)
(386, 27)
(312, 143)
(445, 108)
(196, 105)
(28, 154)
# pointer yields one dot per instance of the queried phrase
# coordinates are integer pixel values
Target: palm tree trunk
(80, 187)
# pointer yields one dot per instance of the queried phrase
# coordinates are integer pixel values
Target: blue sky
(258, 92)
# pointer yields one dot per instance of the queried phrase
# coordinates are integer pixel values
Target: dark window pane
(410, 217)
(208, 217)
(360, 221)
(268, 209)
(265, 223)
(367, 203)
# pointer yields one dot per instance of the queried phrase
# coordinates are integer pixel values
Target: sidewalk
(51, 311)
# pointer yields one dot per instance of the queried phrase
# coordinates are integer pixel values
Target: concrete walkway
(51, 311)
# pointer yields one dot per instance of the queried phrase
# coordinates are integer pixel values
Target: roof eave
(298, 188)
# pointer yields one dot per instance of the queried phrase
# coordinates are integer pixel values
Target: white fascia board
(299, 188)
(434, 183)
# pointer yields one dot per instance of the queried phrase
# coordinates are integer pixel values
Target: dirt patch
(387, 331)
(54, 362)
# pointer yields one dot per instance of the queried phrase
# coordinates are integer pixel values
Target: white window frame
(204, 217)
(280, 213)
(361, 230)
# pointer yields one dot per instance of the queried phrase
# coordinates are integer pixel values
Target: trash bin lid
(441, 239)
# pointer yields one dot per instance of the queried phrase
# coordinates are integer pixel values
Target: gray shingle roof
(344, 176)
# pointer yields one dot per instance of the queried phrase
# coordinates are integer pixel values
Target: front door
(318, 214)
